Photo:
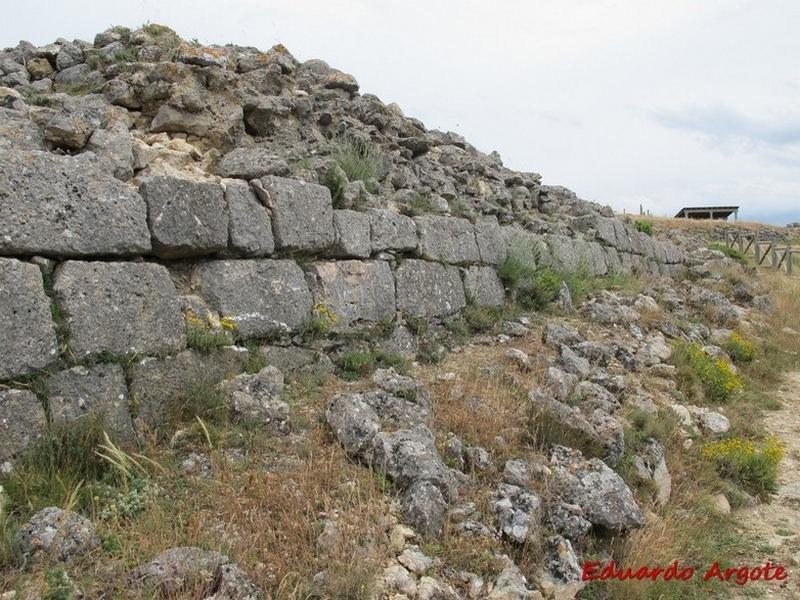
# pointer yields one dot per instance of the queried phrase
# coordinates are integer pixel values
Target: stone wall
(94, 270)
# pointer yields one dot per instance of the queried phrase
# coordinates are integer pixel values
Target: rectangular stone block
(67, 206)
(491, 240)
(447, 239)
(263, 297)
(352, 234)
(119, 307)
(428, 289)
(302, 213)
(22, 422)
(357, 292)
(250, 228)
(27, 338)
(483, 286)
(391, 231)
(186, 217)
(95, 390)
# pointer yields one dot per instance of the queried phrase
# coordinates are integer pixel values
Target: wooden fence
(767, 253)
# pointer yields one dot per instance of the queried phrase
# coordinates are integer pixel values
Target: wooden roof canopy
(708, 212)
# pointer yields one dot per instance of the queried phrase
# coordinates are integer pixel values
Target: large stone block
(427, 289)
(302, 213)
(96, 390)
(352, 234)
(261, 296)
(27, 338)
(67, 206)
(483, 286)
(447, 239)
(356, 291)
(119, 307)
(250, 227)
(156, 383)
(251, 163)
(186, 218)
(572, 254)
(391, 231)
(22, 422)
(492, 242)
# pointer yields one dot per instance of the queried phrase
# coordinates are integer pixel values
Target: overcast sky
(664, 103)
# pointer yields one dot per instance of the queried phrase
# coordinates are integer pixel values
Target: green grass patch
(645, 227)
(359, 159)
(729, 252)
(61, 468)
(357, 364)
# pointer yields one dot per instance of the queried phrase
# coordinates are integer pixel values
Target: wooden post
(775, 262)
(789, 259)
(740, 241)
(755, 243)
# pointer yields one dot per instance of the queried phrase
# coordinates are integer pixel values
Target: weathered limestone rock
(651, 464)
(175, 570)
(67, 131)
(516, 511)
(186, 218)
(447, 239)
(352, 230)
(391, 231)
(261, 296)
(155, 383)
(409, 455)
(97, 390)
(483, 286)
(114, 150)
(22, 422)
(492, 241)
(67, 206)
(257, 397)
(424, 508)
(426, 289)
(354, 423)
(251, 163)
(119, 307)
(602, 494)
(355, 291)
(57, 534)
(250, 228)
(302, 213)
(27, 338)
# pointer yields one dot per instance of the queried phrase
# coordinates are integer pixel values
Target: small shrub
(320, 324)
(255, 359)
(518, 265)
(59, 585)
(480, 318)
(357, 364)
(202, 336)
(715, 375)
(420, 205)
(335, 180)
(126, 55)
(162, 35)
(740, 349)
(540, 290)
(755, 468)
(359, 159)
(729, 252)
(204, 401)
(644, 226)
